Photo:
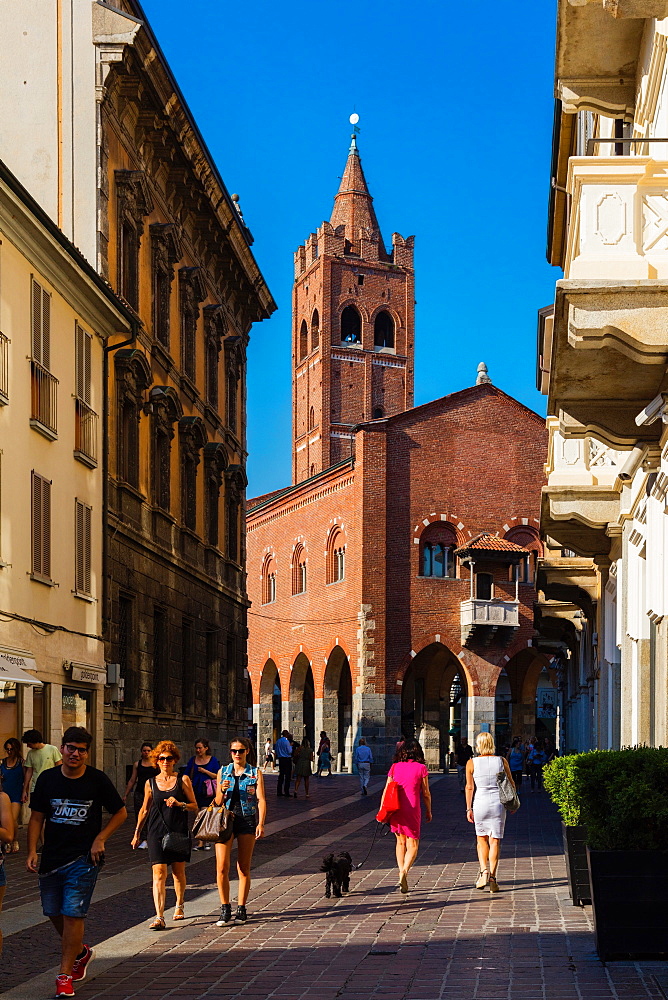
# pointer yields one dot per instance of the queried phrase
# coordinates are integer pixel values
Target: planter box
(629, 891)
(575, 850)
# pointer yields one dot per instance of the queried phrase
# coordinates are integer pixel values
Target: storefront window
(8, 719)
(76, 708)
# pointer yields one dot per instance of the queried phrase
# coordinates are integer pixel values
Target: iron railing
(85, 431)
(4, 368)
(44, 398)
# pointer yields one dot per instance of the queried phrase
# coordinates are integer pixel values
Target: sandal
(178, 913)
(483, 879)
(493, 885)
(157, 925)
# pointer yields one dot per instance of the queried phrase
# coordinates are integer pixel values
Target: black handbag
(174, 841)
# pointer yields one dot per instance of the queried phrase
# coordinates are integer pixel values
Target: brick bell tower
(352, 327)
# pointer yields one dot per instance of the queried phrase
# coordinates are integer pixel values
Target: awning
(13, 668)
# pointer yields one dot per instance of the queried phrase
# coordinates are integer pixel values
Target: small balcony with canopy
(486, 616)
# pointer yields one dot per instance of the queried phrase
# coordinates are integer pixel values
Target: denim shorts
(67, 891)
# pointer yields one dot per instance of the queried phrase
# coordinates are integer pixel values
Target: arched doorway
(534, 707)
(337, 705)
(433, 702)
(269, 716)
(302, 700)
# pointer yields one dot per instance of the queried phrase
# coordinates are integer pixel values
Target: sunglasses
(165, 759)
(234, 750)
(72, 750)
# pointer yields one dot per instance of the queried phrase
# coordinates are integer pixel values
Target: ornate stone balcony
(493, 615)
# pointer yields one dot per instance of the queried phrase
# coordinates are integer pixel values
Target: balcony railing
(44, 400)
(4, 369)
(476, 614)
(85, 433)
(618, 226)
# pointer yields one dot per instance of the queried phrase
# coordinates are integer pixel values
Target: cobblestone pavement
(445, 940)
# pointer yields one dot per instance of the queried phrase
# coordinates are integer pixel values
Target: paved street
(444, 941)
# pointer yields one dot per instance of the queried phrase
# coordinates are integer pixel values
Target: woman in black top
(142, 770)
(168, 799)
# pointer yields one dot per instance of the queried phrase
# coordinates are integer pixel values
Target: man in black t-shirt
(463, 754)
(67, 805)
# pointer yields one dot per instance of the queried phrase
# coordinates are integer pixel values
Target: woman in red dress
(410, 773)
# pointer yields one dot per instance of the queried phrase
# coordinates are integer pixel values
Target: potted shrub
(560, 780)
(623, 796)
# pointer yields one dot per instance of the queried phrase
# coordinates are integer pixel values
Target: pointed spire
(353, 205)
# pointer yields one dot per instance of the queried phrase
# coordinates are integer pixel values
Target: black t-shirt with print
(73, 810)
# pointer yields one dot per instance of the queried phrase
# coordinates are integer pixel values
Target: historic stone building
(603, 356)
(392, 583)
(154, 215)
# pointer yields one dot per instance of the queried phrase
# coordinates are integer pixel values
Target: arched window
(299, 569)
(128, 442)
(527, 538)
(383, 330)
(269, 580)
(336, 556)
(315, 330)
(303, 340)
(378, 413)
(351, 326)
(437, 551)
(313, 470)
(484, 586)
(311, 419)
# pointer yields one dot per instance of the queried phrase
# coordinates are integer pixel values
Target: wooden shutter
(40, 324)
(82, 363)
(41, 525)
(82, 564)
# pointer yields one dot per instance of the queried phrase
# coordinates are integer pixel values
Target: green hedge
(621, 796)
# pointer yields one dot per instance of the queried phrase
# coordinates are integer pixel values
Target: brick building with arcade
(392, 584)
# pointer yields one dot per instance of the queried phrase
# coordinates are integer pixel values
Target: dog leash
(375, 834)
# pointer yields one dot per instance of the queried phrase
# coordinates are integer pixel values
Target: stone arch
(315, 330)
(524, 669)
(350, 325)
(303, 341)
(427, 708)
(527, 537)
(384, 329)
(301, 707)
(455, 523)
(269, 714)
(337, 704)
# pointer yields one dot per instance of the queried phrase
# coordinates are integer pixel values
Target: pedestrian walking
(536, 760)
(486, 810)
(202, 769)
(411, 774)
(241, 789)
(304, 766)
(283, 750)
(40, 756)
(7, 837)
(168, 798)
(363, 759)
(516, 761)
(142, 770)
(463, 754)
(12, 774)
(66, 808)
(324, 756)
(269, 755)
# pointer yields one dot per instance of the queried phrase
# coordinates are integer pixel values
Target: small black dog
(337, 868)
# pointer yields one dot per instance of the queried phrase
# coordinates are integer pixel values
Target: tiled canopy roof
(487, 542)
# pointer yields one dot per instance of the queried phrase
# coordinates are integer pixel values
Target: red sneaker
(79, 967)
(64, 987)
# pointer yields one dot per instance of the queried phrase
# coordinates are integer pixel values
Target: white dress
(488, 813)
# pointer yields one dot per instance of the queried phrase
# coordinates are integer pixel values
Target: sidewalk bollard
(339, 762)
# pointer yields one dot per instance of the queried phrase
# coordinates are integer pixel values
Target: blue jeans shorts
(67, 891)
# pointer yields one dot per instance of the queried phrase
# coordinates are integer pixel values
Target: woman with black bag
(168, 798)
(241, 790)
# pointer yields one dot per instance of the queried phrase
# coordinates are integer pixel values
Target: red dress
(408, 775)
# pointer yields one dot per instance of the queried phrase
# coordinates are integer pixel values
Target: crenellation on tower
(353, 323)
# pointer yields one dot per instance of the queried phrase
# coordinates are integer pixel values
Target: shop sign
(88, 675)
(13, 667)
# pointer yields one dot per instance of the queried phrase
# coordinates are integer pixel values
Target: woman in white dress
(486, 810)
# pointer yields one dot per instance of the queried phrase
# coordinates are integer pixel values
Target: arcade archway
(433, 702)
(269, 719)
(301, 720)
(337, 705)
(534, 707)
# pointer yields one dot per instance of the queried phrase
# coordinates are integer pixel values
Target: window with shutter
(41, 527)
(82, 364)
(41, 325)
(43, 384)
(83, 543)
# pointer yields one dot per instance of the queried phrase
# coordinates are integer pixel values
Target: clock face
(354, 119)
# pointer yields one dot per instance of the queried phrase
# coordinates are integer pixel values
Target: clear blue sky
(455, 103)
